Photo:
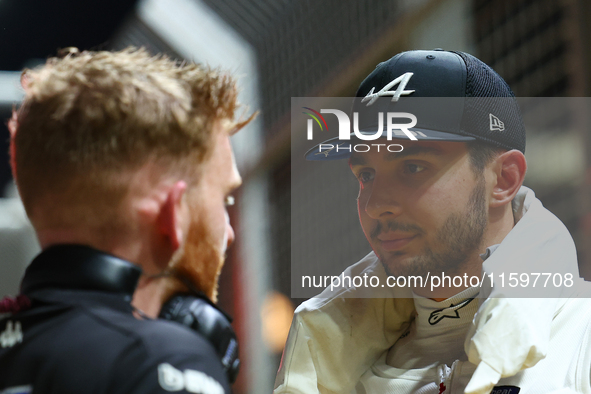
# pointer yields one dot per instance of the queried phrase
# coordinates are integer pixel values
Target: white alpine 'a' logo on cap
(401, 81)
(495, 123)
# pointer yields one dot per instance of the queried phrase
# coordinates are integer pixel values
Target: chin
(400, 263)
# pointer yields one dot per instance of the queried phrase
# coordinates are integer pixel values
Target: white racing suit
(339, 340)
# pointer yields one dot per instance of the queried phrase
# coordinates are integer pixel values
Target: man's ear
(509, 168)
(172, 216)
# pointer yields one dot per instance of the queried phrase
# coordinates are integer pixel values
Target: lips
(392, 242)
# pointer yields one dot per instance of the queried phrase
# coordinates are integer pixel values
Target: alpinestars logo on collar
(401, 81)
(449, 312)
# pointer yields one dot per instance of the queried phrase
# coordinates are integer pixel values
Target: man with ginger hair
(124, 165)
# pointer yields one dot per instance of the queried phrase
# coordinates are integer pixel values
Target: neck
(131, 247)
(120, 245)
(149, 295)
(500, 223)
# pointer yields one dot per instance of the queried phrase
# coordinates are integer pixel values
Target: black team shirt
(74, 332)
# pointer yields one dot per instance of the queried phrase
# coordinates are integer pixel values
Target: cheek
(219, 226)
(453, 194)
(434, 206)
(213, 218)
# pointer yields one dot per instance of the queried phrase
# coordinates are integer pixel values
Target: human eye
(413, 168)
(365, 176)
(229, 201)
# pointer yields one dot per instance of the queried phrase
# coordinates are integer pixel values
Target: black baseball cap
(454, 95)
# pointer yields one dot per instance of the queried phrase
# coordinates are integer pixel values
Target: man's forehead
(410, 148)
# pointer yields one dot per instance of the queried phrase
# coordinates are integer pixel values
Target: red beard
(200, 263)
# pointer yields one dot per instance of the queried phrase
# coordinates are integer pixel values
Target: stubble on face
(200, 258)
(199, 261)
(457, 239)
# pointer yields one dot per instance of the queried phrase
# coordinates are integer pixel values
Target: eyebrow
(412, 151)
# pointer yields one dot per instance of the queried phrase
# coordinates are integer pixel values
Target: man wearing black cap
(447, 203)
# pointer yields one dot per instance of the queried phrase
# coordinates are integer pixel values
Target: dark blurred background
(287, 48)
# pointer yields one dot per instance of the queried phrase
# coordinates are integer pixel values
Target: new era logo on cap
(496, 124)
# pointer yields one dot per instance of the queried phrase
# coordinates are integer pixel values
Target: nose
(382, 201)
